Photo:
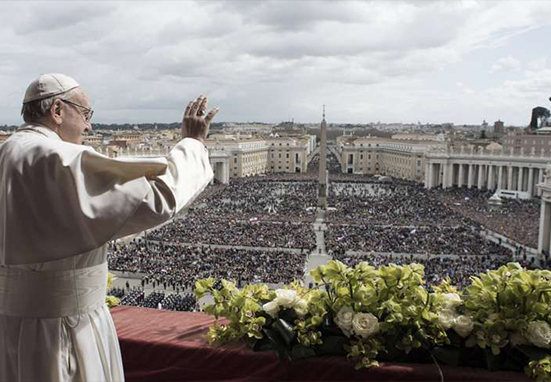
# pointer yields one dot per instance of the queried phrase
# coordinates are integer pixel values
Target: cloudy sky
(427, 61)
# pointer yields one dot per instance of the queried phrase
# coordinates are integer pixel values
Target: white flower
(301, 307)
(451, 300)
(271, 308)
(539, 333)
(286, 298)
(446, 319)
(516, 339)
(365, 325)
(344, 318)
(463, 325)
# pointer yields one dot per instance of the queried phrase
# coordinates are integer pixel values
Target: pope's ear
(56, 111)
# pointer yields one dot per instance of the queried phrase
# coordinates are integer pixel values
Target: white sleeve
(188, 173)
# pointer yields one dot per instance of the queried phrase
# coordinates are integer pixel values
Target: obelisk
(322, 182)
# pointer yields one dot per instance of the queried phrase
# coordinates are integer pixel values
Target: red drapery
(161, 346)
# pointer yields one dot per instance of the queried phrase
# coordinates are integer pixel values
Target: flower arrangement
(501, 321)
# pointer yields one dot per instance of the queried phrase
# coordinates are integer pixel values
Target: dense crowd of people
(383, 221)
(185, 302)
(178, 267)
(434, 240)
(515, 218)
(198, 229)
(388, 203)
(265, 200)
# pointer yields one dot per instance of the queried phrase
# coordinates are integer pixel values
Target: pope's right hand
(195, 125)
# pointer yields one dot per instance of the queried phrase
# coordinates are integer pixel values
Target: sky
(270, 61)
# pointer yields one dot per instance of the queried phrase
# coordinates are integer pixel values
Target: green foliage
(369, 313)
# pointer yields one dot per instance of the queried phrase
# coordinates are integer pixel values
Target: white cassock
(60, 203)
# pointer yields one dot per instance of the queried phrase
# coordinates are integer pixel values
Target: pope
(61, 202)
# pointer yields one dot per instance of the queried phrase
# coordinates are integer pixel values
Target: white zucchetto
(49, 85)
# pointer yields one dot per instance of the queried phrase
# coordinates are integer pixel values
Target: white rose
(301, 307)
(365, 325)
(271, 308)
(539, 333)
(286, 298)
(446, 319)
(463, 325)
(344, 318)
(451, 300)
(517, 339)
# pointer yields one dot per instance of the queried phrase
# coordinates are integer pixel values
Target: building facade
(397, 158)
(485, 169)
(237, 156)
(526, 144)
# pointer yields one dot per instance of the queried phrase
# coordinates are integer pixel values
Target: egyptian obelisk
(322, 187)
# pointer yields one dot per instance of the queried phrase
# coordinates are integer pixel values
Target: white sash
(52, 294)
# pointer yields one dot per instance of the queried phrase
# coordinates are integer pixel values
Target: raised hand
(194, 124)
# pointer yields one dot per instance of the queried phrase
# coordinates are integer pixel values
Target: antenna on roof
(323, 111)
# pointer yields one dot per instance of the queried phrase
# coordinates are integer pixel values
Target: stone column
(470, 176)
(540, 179)
(519, 184)
(545, 232)
(500, 178)
(531, 181)
(491, 176)
(509, 177)
(480, 183)
(427, 173)
(446, 176)
(460, 176)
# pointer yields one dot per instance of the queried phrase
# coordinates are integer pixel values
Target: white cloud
(506, 64)
(269, 60)
(538, 64)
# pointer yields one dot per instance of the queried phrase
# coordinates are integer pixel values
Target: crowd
(276, 211)
(516, 219)
(434, 240)
(156, 300)
(244, 199)
(224, 230)
(178, 267)
(388, 203)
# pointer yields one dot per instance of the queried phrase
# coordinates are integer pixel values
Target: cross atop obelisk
(322, 187)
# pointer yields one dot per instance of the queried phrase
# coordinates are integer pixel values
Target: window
(234, 160)
(280, 155)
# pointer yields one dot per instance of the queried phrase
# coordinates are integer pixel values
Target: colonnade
(544, 237)
(487, 176)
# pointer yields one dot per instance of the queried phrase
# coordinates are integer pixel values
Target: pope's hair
(34, 111)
